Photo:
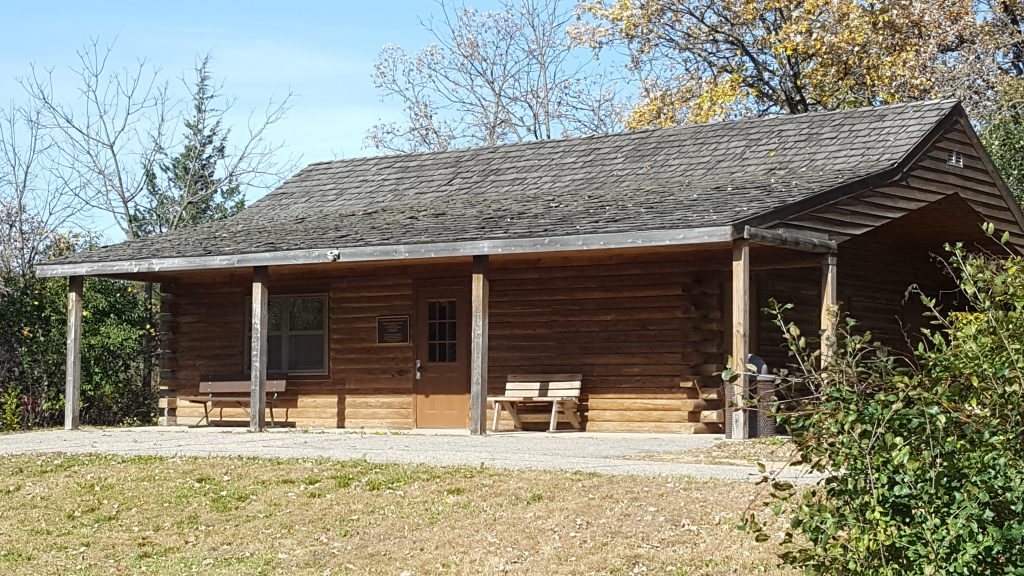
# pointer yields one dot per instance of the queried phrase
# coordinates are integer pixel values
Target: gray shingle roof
(672, 178)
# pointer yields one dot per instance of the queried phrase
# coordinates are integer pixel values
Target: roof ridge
(948, 102)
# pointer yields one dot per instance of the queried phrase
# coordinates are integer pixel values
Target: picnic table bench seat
(217, 390)
(561, 391)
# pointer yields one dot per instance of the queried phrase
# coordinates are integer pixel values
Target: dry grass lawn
(131, 515)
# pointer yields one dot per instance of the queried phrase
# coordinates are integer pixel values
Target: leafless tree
(110, 135)
(495, 77)
(34, 206)
(115, 149)
(114, 135)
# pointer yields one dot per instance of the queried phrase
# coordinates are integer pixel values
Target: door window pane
(442, 331)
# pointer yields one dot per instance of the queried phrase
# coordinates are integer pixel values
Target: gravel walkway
(602, 453)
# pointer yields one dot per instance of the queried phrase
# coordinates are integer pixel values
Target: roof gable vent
(955, 158)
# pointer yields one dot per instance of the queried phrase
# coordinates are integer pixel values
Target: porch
(419, 344)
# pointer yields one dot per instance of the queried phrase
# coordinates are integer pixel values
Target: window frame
(285, 332)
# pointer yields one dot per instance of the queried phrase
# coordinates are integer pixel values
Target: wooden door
(442, 356)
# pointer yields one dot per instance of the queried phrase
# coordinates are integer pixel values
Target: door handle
(419, 369)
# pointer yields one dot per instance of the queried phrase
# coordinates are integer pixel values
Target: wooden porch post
(478, 349)
(258, 350)
(740, 337)
(73, 368)
(829, 301)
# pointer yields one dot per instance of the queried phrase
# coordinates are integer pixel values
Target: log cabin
(398, 292)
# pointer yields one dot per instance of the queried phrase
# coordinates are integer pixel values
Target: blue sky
(323, 52)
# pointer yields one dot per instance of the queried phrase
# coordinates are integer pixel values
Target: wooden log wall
(368, 385)
(879, 289)
(375, 382)
(203, 330)
(646, 332)
(800, 287)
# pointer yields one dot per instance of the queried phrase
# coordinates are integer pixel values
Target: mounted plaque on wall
(392, 330)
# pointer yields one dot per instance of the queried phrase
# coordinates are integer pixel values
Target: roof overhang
(648, 239)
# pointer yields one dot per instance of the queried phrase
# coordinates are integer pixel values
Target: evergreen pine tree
(186, 189)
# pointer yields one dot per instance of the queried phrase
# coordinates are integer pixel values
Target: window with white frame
(296, 334)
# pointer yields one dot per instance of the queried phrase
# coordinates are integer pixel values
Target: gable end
(928, 179)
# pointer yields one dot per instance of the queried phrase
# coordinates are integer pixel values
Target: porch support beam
(788, 239)
(829, 302)
(740, 338)
(258, 350)
(478, 348)
(73, 367)
(693, 237)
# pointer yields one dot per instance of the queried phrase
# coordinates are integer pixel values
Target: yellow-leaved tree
(702, 60)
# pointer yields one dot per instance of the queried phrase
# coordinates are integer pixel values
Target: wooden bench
(562, 391)
(216, 391)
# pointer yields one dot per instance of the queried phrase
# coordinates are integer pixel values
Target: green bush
(10, 410)
(922, 454)
(33, 322)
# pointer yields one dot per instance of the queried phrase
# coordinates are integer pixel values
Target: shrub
(33, 320)
(922, 453)
(10, 410)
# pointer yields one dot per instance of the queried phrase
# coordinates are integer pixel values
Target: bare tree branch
(110, 134)
(34, 205)
(115, 134)
(495, 77)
